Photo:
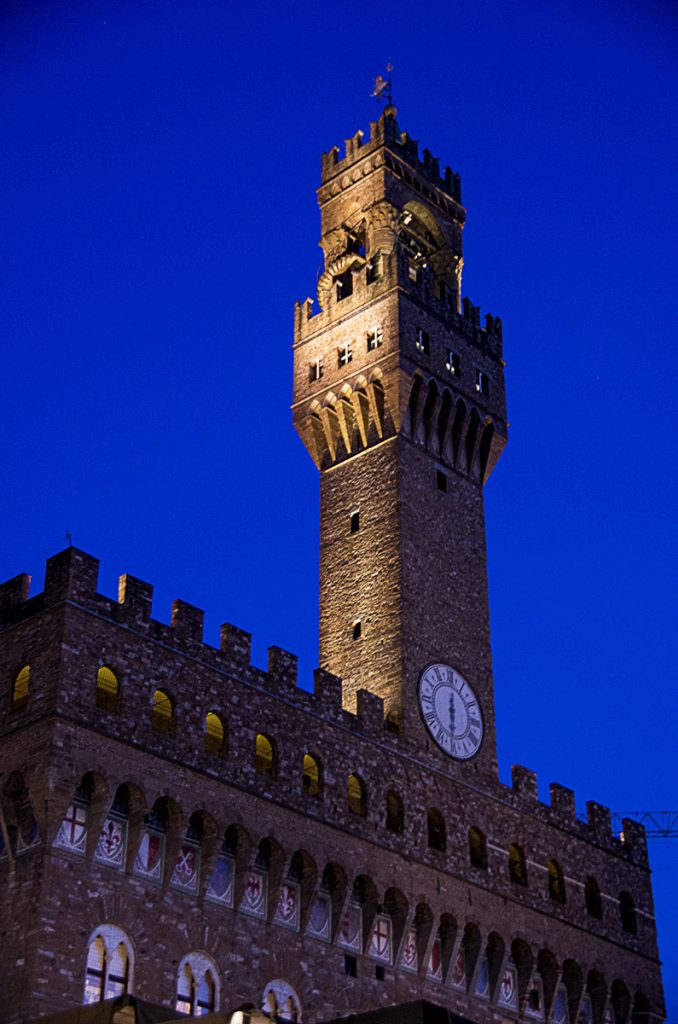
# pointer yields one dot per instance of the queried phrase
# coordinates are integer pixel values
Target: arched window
(197, 985)
(395, 813)
(281, 1002)
(627, 913)
(20, 685)
(108, 689)
(110, 963)
(356, 796)
(265, 761)
(594, 904)
(556, 882)
(477, 848)
(312, 778)
(215, 734)
(516, 865)
(162, 716)
(435, 825)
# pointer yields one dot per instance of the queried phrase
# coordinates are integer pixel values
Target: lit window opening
(482, 383)
(20, 686)
(423, 342)
(453, 363)
(108, 689)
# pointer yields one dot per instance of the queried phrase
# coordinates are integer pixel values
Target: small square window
(374, 338)
(357, 629)
(441, 481)
(423, 342)
(316, 369)
(482, 383)
(355, 522)
(453, 363)
(346, 354)
(350, 966)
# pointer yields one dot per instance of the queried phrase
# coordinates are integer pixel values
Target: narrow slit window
(355, 521)
(357, 629)
(441, 481)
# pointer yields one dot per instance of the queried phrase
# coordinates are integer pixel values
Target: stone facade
(179, 824)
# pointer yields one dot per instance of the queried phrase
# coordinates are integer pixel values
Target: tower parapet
(385, 133)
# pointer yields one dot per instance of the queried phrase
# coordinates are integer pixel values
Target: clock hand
(452, 712)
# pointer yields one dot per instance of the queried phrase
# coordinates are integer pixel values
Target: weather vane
(382, 87)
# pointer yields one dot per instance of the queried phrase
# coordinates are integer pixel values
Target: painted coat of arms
(72, 832)
(254, 895)
(379, 946)
(112, 842)
(220, 888)
(148, 861)
(287, 911)
(408, 958)
(319, 919)
(459, 971)
(186, 874)
(435, 962)
(350, 928)
(508, 991)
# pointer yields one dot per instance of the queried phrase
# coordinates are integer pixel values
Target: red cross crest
(381, 938)
(74, 827)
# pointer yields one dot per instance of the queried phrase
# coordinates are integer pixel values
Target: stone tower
(180, 826)
(399, 398)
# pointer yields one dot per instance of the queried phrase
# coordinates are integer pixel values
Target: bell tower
(399, 399)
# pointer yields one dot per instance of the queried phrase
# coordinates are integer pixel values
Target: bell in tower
(399, 399)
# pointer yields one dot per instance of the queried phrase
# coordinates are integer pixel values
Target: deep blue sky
(158, 220)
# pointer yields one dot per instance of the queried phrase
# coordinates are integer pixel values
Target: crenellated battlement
(386, 133)
(72, 576)
(596, 826)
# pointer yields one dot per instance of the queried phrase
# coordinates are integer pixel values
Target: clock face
(451, 711)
